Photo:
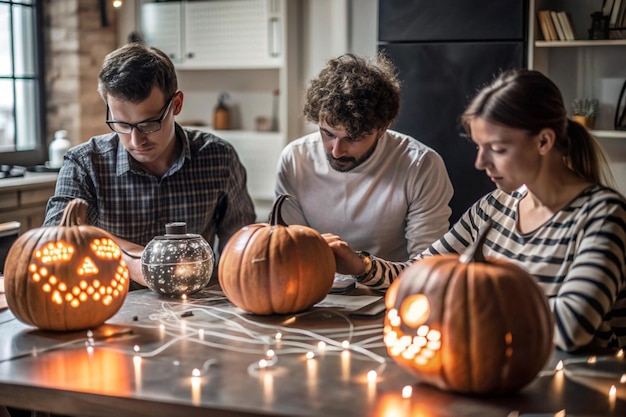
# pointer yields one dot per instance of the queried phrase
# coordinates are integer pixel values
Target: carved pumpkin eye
(415, 310)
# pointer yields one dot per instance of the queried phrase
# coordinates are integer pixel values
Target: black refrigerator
(444, 51)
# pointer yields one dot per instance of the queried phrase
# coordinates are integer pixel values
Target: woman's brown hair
(528, 100)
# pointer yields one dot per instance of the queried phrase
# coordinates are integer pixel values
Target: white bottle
(57, 149)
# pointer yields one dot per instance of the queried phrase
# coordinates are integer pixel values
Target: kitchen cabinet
(24, 199)
(218, 33)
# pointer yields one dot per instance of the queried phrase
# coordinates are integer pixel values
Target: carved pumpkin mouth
(92, 286)
(420, 346)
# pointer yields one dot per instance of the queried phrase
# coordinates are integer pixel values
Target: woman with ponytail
(554, 212)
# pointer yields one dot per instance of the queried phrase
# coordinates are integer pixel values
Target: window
(21, 83)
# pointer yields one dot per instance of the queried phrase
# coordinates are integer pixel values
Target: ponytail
(585, 156)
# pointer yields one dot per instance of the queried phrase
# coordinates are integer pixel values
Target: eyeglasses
(149, 126)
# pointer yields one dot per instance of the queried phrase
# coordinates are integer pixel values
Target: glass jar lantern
(177, 263)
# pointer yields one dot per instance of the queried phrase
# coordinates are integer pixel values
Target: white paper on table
(348, 302)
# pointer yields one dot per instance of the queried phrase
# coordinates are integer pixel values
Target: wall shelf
(579, 43)
(609, 134)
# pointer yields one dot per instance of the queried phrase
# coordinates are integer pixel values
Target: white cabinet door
(162, 28)
(233, 34)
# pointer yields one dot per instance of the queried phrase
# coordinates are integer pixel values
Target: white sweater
(393, 205)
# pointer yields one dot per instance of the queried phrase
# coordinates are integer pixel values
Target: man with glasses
(378, 196)
(150, 171)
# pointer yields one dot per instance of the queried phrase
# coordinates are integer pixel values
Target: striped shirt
(205, 187)
(577, 257)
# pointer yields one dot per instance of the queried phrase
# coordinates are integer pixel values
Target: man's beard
(348, 163)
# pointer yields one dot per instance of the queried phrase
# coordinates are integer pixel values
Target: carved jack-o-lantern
(66, 277)
(468, 324)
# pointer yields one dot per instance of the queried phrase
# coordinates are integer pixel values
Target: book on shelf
(547, 26)
(617, 23)
(615, 12)
(566, 23)
(607, 7)
(557, 25)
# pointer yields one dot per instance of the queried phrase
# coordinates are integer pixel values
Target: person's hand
(347, 260)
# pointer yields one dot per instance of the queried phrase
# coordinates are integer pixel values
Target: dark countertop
(59, 372)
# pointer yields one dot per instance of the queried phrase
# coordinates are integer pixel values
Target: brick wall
(75, 45)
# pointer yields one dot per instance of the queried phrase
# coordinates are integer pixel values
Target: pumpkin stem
(75, 213)
(474, 252)
(275, 215)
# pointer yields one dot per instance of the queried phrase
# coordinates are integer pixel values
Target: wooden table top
(170, 357)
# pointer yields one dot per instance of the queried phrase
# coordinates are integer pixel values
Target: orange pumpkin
(468, 324)
(274, 268)
(66, 277)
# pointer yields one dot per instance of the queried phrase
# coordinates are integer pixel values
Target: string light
(223, 325)
(117, 3)
(253, 337)
(372, 376)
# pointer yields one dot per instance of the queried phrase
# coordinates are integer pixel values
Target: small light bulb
(195, 372)
(345, 344)
(270, 353)
(407, 391)
(321, 345)
(310, 355)
(278, 336)
(262, 363)
(136, 348)
(371, 376)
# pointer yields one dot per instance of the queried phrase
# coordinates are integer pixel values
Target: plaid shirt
(205, 187)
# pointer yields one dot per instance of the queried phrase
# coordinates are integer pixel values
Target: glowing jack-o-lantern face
(67, 277)
(93, 287)
(459, 323)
